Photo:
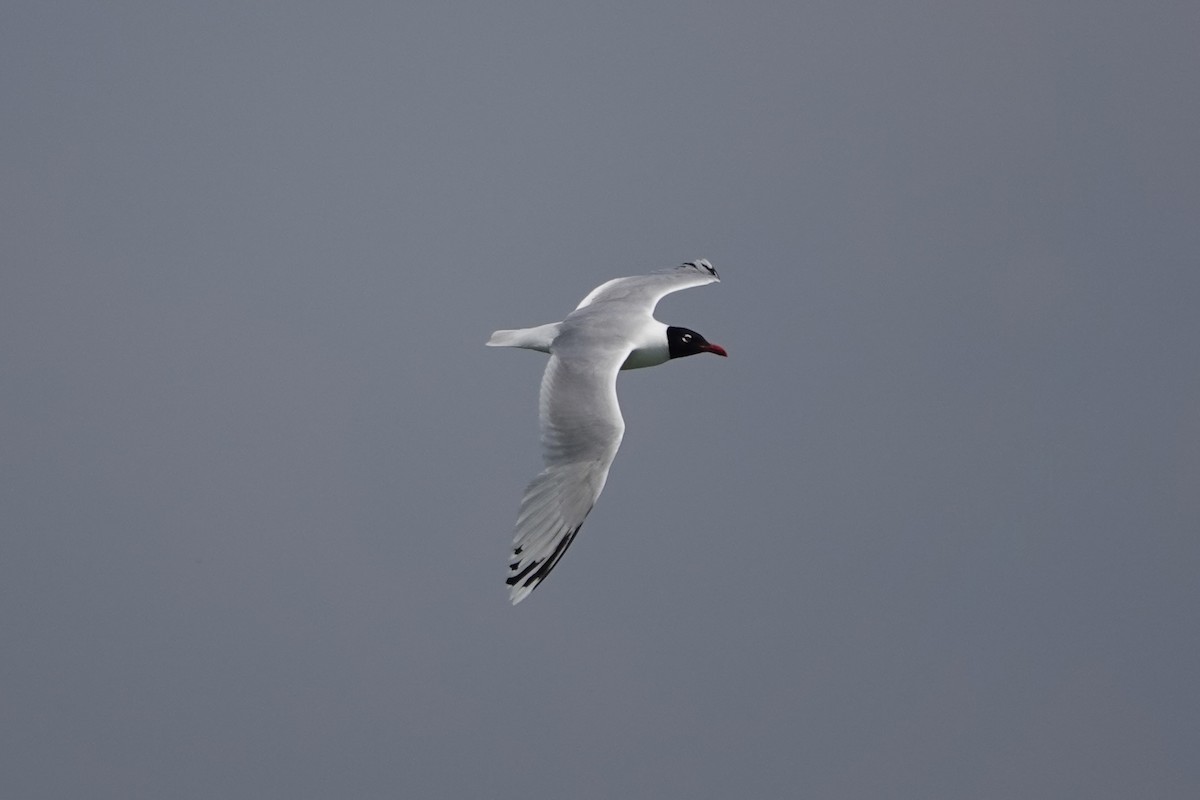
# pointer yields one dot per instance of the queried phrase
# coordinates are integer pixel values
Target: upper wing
(642, 292)
(581, 431)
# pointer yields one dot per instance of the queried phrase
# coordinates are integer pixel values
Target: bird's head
(684, 342)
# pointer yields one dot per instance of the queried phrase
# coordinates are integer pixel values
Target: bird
(612, 329)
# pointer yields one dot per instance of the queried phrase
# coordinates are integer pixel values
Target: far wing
(642, 292)
(581, 431)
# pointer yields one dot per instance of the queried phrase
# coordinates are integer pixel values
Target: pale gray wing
(581, 431)
(642, 292)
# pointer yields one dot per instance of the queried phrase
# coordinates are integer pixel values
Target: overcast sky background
(931, 531)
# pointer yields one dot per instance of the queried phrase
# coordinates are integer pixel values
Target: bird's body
(613, 328)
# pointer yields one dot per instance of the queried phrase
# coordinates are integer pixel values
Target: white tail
(538, 338)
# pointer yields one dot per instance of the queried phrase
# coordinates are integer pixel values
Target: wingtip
(518, 592)
(702, 265)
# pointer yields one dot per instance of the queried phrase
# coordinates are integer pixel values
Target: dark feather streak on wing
(532, 565)
(541, 574)
(541, 569)
(710, 269)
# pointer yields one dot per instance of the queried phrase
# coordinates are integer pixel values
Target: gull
(612, 329)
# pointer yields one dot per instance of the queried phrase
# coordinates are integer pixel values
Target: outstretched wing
(642, 292)
(581, 431)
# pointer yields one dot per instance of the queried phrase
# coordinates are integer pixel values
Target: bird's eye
(687, 337)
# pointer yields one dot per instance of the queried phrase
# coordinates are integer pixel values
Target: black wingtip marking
(550, 562)
(536, 571)
(532, 565)
(696, 265)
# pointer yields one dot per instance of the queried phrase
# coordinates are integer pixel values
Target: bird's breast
(648, 356)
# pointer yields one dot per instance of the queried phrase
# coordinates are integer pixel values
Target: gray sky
(931, 531)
